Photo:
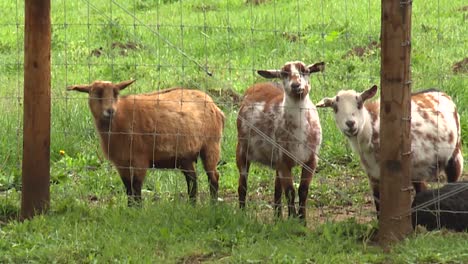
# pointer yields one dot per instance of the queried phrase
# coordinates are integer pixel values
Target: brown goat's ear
(79, 88)
(326, 102)
(270, 74)
(124, 84)
(369, 93)
(317, 67)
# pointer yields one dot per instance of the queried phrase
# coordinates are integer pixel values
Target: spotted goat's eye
(284, 74)
(359, 103)
(305, 72)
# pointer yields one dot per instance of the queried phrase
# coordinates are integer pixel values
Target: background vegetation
(171, 43)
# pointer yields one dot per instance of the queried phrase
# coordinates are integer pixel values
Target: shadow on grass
(8, 212)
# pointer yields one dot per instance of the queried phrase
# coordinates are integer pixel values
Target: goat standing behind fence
(165, 129)
(278, 126)
(435, 134)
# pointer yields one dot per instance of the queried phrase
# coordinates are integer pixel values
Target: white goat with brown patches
(435, 134)
(165, 129)
(278, 126)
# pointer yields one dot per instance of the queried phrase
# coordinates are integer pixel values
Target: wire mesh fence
(217, 47)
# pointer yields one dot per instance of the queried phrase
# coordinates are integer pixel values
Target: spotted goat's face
(348, 107)
(103, 97)
(295, 77)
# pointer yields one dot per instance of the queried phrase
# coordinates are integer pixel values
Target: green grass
(175, 232)
(89, 220)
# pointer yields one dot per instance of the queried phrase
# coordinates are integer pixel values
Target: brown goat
(164, 129)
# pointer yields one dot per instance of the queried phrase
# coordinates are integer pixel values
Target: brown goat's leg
(288, 188)
(277, 197)
(133, 181)
(306, 178)
(213, 179)
(210, 158)
(243, 166)
(191, 178)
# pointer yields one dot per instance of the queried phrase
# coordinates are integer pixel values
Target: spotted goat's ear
(269, 74)
(317, 67)
(326, 102)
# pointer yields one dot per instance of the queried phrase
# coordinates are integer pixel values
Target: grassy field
(168, 43)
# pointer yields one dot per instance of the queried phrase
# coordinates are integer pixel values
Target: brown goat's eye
(116, 93)
(99, 94)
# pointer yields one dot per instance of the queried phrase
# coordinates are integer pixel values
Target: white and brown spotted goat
(435, 134)
(164, 129)
(278, 126)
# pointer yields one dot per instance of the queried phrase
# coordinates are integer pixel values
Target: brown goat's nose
(350, 123)
(109, 112)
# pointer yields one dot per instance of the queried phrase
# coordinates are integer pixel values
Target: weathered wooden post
(395, 125)
(36, 127)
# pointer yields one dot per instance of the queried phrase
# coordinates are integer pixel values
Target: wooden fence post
(395, 125)
(36, 126)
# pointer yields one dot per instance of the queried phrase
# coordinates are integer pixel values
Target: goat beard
(104, 124)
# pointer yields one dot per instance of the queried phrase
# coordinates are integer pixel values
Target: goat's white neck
(295, 104)
(362, 142)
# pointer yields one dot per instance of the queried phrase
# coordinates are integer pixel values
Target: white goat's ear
(369, 93)
(317, 67)
(79, 88)
(124, 84)
(326, 102)
(270, 74)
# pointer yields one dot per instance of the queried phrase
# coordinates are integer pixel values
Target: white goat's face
(103, 97)
(348, 107)
(295, 77)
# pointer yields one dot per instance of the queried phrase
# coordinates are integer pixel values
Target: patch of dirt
(426, 28)
(261, 202)
(225, 97)
(93, 198)
(257, 2)
(122, 48)
(205, 8)
(8, 213)
(361, 51)
(97, 52)
(461, 66)
(464, 177)
(129, 45)
(291, 37)
(197, 258)
(4, 220)
(363, 213)
(463, 8)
